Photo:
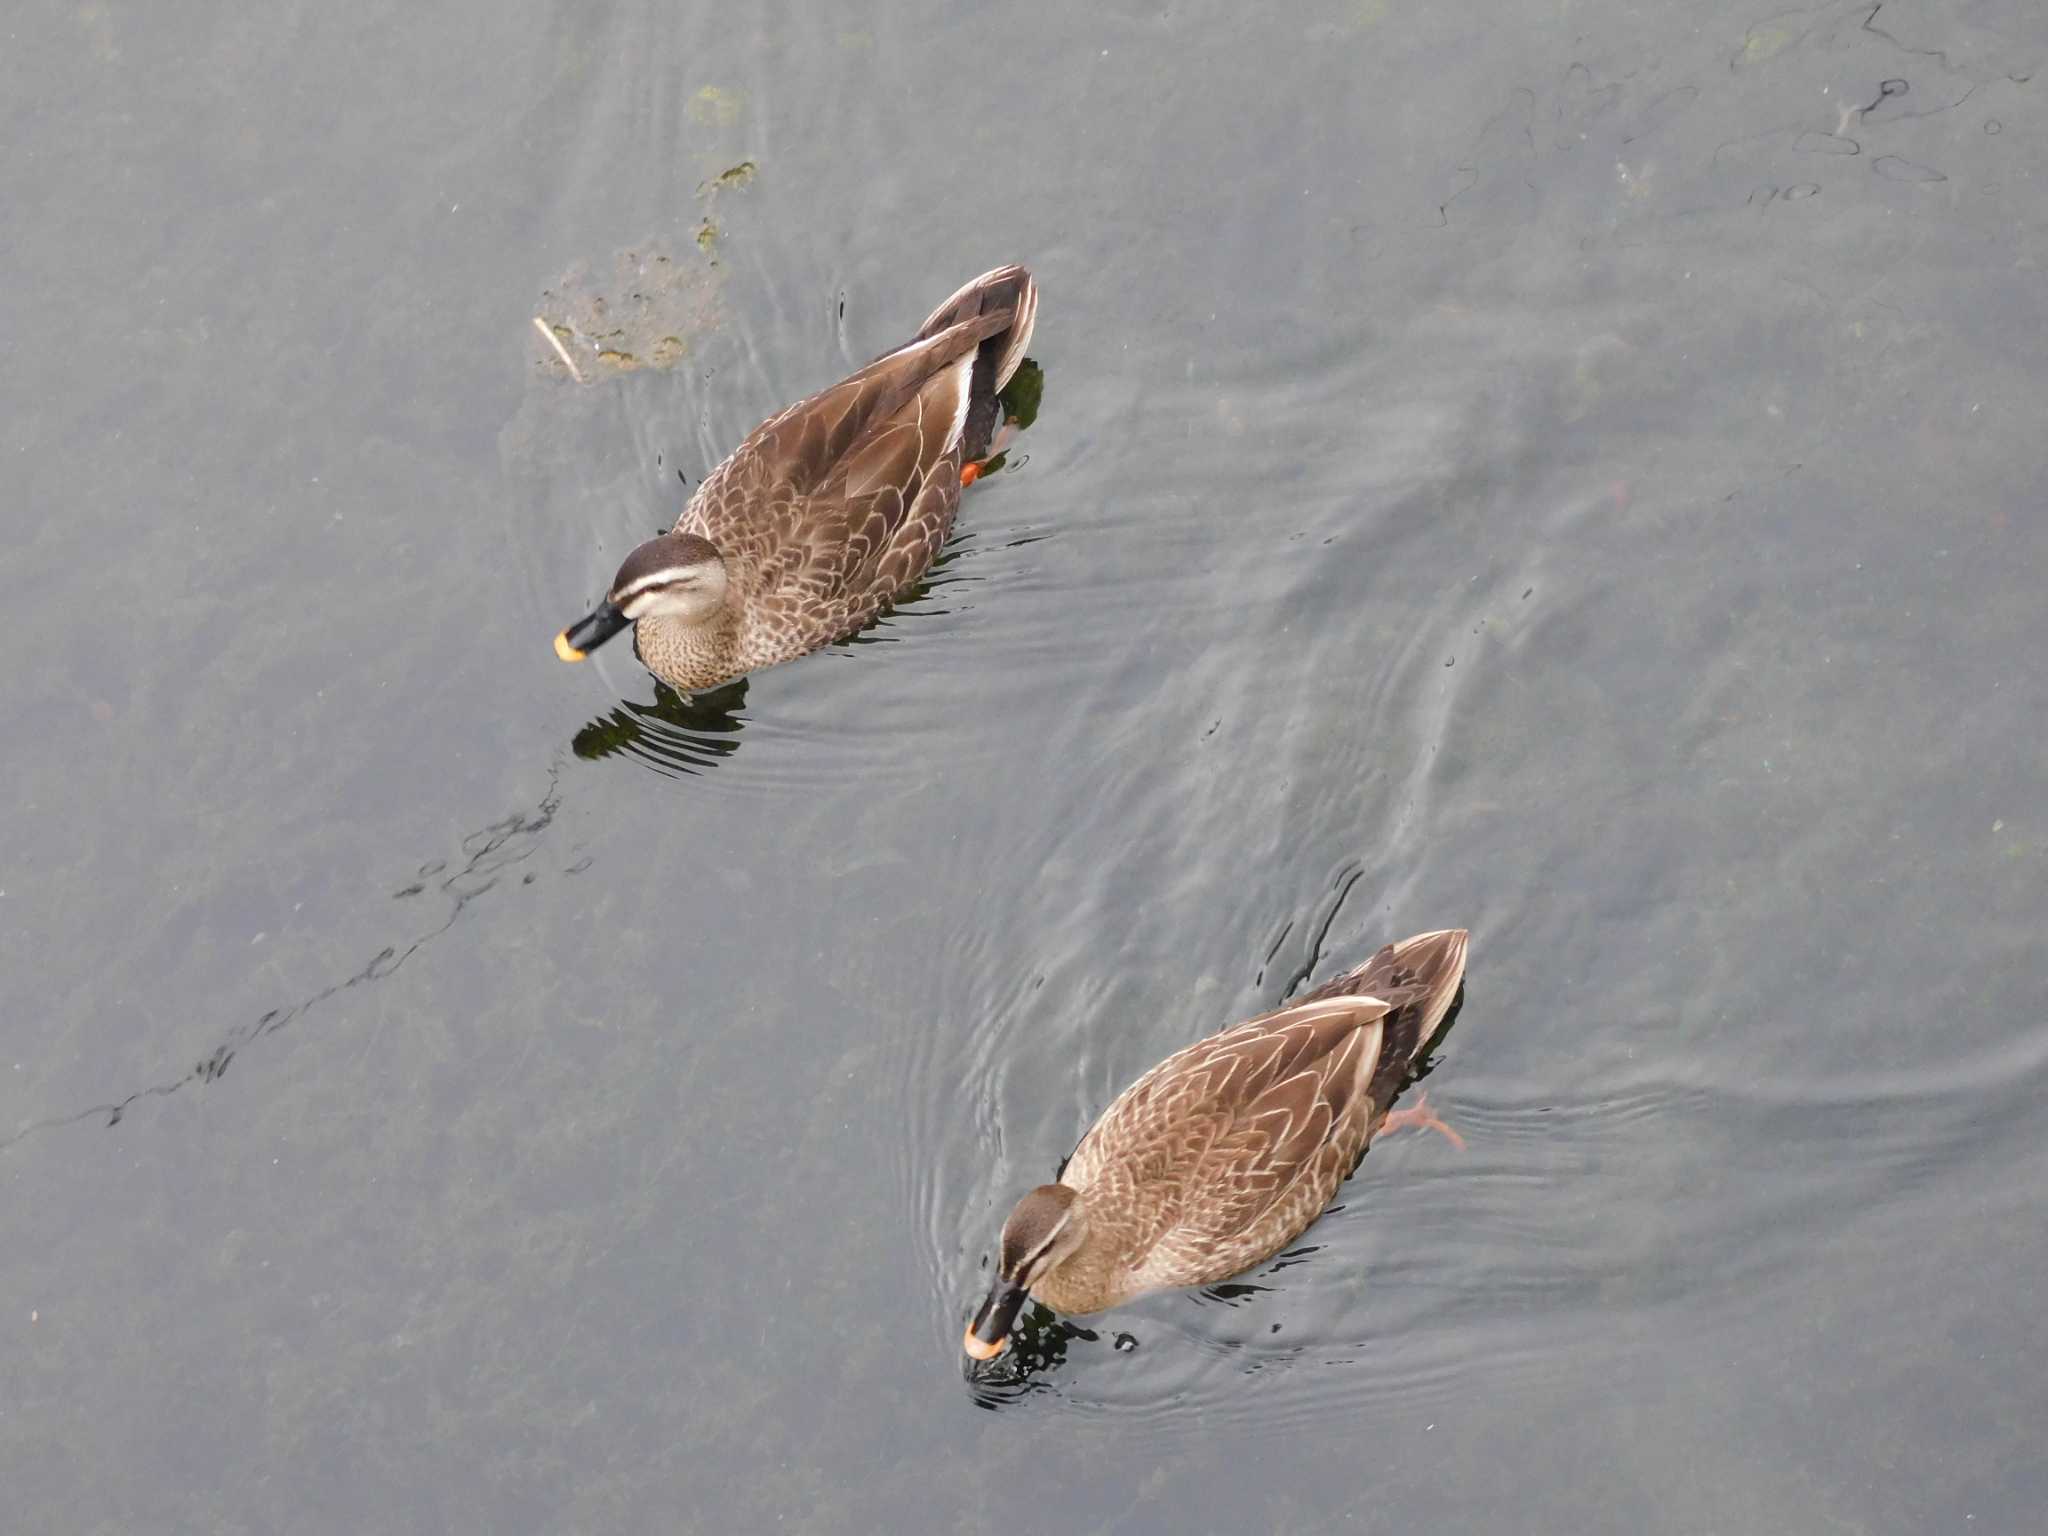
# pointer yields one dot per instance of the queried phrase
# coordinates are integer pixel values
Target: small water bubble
(1994, 126)
(1125, 1343)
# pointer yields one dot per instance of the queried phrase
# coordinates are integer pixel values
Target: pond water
(1575, 475)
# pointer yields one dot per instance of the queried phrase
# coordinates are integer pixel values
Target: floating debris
(561, 351)
(655, 307)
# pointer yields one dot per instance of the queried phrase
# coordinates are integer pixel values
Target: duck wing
(1213, 1136)
(1418, 979)
(812, 504)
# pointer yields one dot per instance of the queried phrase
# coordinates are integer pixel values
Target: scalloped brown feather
(830, 509)
(1224, 1153)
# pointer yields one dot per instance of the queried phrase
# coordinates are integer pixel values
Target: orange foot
(969, 473)
(1422, 1118)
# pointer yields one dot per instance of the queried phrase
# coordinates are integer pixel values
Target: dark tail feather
(1420, 977)
(1007, 290)
(1432, 967)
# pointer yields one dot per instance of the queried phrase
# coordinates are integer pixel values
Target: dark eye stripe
(1041, 1250)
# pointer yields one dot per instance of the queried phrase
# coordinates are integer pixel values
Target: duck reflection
(675, 733)
(1039, 1340)
(488, 859)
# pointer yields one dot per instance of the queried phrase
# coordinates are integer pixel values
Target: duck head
(677, 575)
(1043, 1231)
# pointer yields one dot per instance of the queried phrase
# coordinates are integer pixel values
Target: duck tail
(1436, 962)
(1007, 290)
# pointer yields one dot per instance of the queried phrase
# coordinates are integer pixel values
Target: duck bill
(990, 1330)
(589, 632)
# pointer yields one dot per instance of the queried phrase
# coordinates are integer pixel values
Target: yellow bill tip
(977, 1350)
(565, 650)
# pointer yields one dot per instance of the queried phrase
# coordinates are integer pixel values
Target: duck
(1227, 1150)
(827, 510)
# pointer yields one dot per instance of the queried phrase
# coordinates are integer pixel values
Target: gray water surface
(1574, 474)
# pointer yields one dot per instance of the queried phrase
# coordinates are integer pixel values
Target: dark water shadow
(488, 860)
(674, 734)
(1039, 1341)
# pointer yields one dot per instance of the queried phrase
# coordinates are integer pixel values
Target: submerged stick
(560, 351)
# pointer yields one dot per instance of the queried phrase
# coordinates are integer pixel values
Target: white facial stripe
(670, 577)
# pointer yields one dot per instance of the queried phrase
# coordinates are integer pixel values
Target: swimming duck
(1224, 1153)
(827, 511)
